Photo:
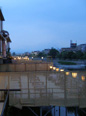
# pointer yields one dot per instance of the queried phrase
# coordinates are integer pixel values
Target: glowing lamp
(67, 73)
(83, 78)
(54, 68)
(0, 56)
(19, 58)
(42, 58)
(51, 67)
(14, 58)
(27, 58)
(74, 75)
(57, 69)
(61, 70)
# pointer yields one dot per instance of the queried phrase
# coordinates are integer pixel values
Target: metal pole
(59, 110)
(76, 111)
(32, 111)
(65, 111)
(40, 111)
(54, 111)
(49, 111)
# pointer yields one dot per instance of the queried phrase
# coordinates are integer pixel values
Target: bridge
(36, 84)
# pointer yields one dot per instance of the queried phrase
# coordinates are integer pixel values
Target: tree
(71, 55)
(79, 54)
(53, 53)
(84, 56)
(63, 55)
(41, 54)
(14, 54)
(68, 55)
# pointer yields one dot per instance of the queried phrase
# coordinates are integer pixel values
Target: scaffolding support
(32, 111)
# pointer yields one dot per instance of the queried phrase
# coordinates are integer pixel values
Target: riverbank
(79, 64)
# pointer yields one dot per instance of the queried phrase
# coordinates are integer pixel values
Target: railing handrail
(2, 113)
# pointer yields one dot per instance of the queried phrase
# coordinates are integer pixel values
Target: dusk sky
(39, 24)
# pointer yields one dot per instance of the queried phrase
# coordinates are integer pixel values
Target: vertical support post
(59, 110)
(0, 47)
(46, 84)
(28, 86)
(40, 111)
(76, 111)
(65, 94)
(1, 25)
(65, 111)
(54, 111)
(8, 81)
(3, 48)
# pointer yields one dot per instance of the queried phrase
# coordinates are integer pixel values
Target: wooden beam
(10, 89)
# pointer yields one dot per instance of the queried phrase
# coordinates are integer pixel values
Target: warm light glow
(27, 58)
(54, 68)
(51, 67)
(83, 78)
(19, 58)
(61, 70)
(57, 69)
(67, 73)
(14, 58)
(74, 75)
(0, 56)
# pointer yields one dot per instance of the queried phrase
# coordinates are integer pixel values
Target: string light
(74, 75)
(83, 78)
(57, 69)
(54, 68)
(61, 70)
(67, 73)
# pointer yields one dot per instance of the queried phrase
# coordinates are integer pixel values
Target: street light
(42, 58)
(54, 68)
(67, 73)
(61, 70)
(83, 78)
(57, 69)
(74, 75)
(51, 67)
(14, 58)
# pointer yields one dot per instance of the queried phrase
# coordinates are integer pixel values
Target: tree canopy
(53, 52)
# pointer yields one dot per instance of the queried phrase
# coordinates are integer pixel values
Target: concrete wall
(25, 67)
(40, 88)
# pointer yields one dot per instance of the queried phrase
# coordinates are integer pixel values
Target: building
(35, 53)
(73, 47)
(25, 54)
(82, 47)
(4, 39)
(46, 51)
(68, 49)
